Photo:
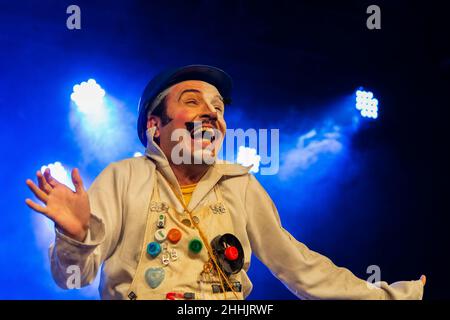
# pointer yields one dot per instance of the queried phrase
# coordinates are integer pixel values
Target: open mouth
(203, 131)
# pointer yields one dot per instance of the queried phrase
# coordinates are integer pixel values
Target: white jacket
(119, 199)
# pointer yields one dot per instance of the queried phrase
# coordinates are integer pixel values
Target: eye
(219, 109)
(192, 101)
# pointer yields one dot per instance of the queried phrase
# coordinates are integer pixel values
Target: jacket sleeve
(69, 257)
(306, 273)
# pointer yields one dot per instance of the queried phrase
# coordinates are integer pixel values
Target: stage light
(58, 172)
(366, 104)
(247, 157)
(88, 96)
(137, 154)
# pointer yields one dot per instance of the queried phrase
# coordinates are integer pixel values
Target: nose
(208, 112)
(211, 116)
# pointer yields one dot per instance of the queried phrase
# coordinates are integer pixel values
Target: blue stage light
(366, 104)
(88, 96)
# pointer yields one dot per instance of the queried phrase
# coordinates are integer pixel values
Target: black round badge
(229, 253)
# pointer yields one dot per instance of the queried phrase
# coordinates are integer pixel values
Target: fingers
(41, 195)
(43, 185)
(38, 208)
(77, 182)
(423, 278)
(50, 180)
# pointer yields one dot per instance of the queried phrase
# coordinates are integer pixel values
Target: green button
(195, 245)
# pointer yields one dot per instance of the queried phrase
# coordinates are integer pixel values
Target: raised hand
(69, 210)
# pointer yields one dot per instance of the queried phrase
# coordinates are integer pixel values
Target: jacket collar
(216, 171)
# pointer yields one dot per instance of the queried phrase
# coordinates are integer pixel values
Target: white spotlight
(366, 104)
(60, 173)
(88, 96)
(247, 157)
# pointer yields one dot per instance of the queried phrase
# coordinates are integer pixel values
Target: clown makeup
(196, 131)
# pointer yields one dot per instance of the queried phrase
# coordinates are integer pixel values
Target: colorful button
(195, 246)
(174, 235)
(160, 235)
(153, 249)
(231, 253)
(161, 221)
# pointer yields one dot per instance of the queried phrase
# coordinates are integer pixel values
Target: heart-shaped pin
(154, 277)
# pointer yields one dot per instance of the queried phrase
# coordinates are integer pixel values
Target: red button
(174, 235)
(231, 253)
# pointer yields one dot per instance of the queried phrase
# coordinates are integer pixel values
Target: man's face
(195, 107)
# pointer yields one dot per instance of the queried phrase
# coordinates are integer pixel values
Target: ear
(154, 121)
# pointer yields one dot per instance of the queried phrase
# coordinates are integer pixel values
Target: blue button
(153, 249)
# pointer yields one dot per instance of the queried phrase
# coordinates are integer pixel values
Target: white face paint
(187, 103)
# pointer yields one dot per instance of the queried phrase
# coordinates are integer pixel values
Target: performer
(162, 228)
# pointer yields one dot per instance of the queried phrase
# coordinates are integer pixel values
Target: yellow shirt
(187, 191)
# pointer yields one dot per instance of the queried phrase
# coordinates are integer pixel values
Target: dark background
(290, 60)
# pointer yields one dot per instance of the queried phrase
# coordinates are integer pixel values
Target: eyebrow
(197, 91)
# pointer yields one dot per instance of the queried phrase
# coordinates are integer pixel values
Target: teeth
(206, 133)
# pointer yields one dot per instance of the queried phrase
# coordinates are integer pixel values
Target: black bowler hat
(215, 76)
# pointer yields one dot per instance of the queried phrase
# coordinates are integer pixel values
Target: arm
(98, 211)
(105, 199)
(87, 255)
(306, 273)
